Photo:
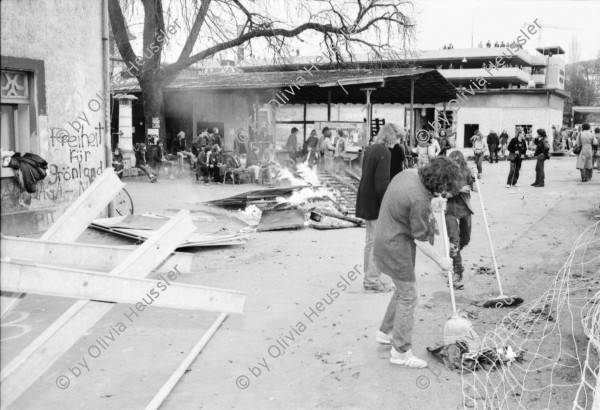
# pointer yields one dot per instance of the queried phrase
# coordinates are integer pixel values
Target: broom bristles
(458, 329)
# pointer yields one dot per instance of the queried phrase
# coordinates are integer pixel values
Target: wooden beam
(28, 277)
(164, 391)
(84, 256)
(35, 359)
(75, 220)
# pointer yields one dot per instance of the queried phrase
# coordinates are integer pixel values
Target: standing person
(312, 141)
(292, 144)
(595, 144)
(493, 143)
(328, 150)
(503, 144)
(584, 159)
(141, 162)
(542, 153)
(371, 189)
(210, 139)
(479, 147)
(458, 215)
(444, 143)
(405, 224)
(320, 149)
(397, 159)
(517, 148)
(340, 148)
(217, 139)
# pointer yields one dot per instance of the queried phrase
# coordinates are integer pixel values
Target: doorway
(469, 132)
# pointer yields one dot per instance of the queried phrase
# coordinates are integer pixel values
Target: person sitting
(182, 152)
(202, 166)
(214, 164)
(234, 167)
(160, 160)
(217, 139)
(140, 162)
(496, 44)
(488, 44)
(253, 162)
(117, 161)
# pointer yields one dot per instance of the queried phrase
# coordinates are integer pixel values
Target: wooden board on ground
(28, 277)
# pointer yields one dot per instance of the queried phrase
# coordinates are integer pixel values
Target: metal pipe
(106, 92)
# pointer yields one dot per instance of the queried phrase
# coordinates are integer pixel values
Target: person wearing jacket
(444, 143)
(159, 159)
(215, 162)
(542, 153)
(202, 165)
(493, 143)
(140, 162)
(373, 184)
(479, 148)
(517, 148)
(584, 158)
(292, 144)
(458, 215)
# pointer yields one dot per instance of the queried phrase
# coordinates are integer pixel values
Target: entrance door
(469, 132)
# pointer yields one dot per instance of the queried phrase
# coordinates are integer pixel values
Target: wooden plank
(84, 256)
(28, 277)
(75, 220)
(164, 391)
(35, 359)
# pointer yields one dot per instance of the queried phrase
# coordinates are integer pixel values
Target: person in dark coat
(292, 144)
(141, 162)
(517, 148)
(493, 143)
(542, 153)
(444, 143)
(397, 160)
(373, 184)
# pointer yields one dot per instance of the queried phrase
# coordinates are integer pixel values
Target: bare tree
(383, 28)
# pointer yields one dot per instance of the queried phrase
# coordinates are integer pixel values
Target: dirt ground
(283, 353)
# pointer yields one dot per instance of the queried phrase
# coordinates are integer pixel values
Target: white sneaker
(407, 359)
(383, 339)
(508, 185)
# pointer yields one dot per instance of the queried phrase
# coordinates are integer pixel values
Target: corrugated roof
(314, 86)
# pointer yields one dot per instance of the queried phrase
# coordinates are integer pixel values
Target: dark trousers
(459, 236)
(513, 175)
(215, 174)
(149, 171)
(478, 160)
(539, 171)
(493, 152)
(202, 170)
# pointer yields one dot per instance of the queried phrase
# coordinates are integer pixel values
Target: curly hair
(441, 174)
(389, 133)
(460, 160)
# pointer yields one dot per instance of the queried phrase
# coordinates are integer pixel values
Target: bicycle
(122, 203)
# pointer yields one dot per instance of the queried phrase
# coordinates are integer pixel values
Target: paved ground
(280, 357)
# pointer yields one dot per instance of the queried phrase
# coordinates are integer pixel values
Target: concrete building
(53, 65)
(499, 88)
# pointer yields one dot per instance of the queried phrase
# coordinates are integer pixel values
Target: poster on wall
(152, 136)
(155, 122)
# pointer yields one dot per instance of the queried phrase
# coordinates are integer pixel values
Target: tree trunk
(152, 96)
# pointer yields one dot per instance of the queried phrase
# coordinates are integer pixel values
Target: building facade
(54, 85)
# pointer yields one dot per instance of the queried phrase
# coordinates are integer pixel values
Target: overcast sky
(450, 21)
(440, 22)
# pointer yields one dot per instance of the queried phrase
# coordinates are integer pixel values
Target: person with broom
(406, 223)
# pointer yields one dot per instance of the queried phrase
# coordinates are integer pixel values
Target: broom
(501, 300)
(457, 329)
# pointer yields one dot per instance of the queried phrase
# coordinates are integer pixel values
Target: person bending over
(406, 223)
